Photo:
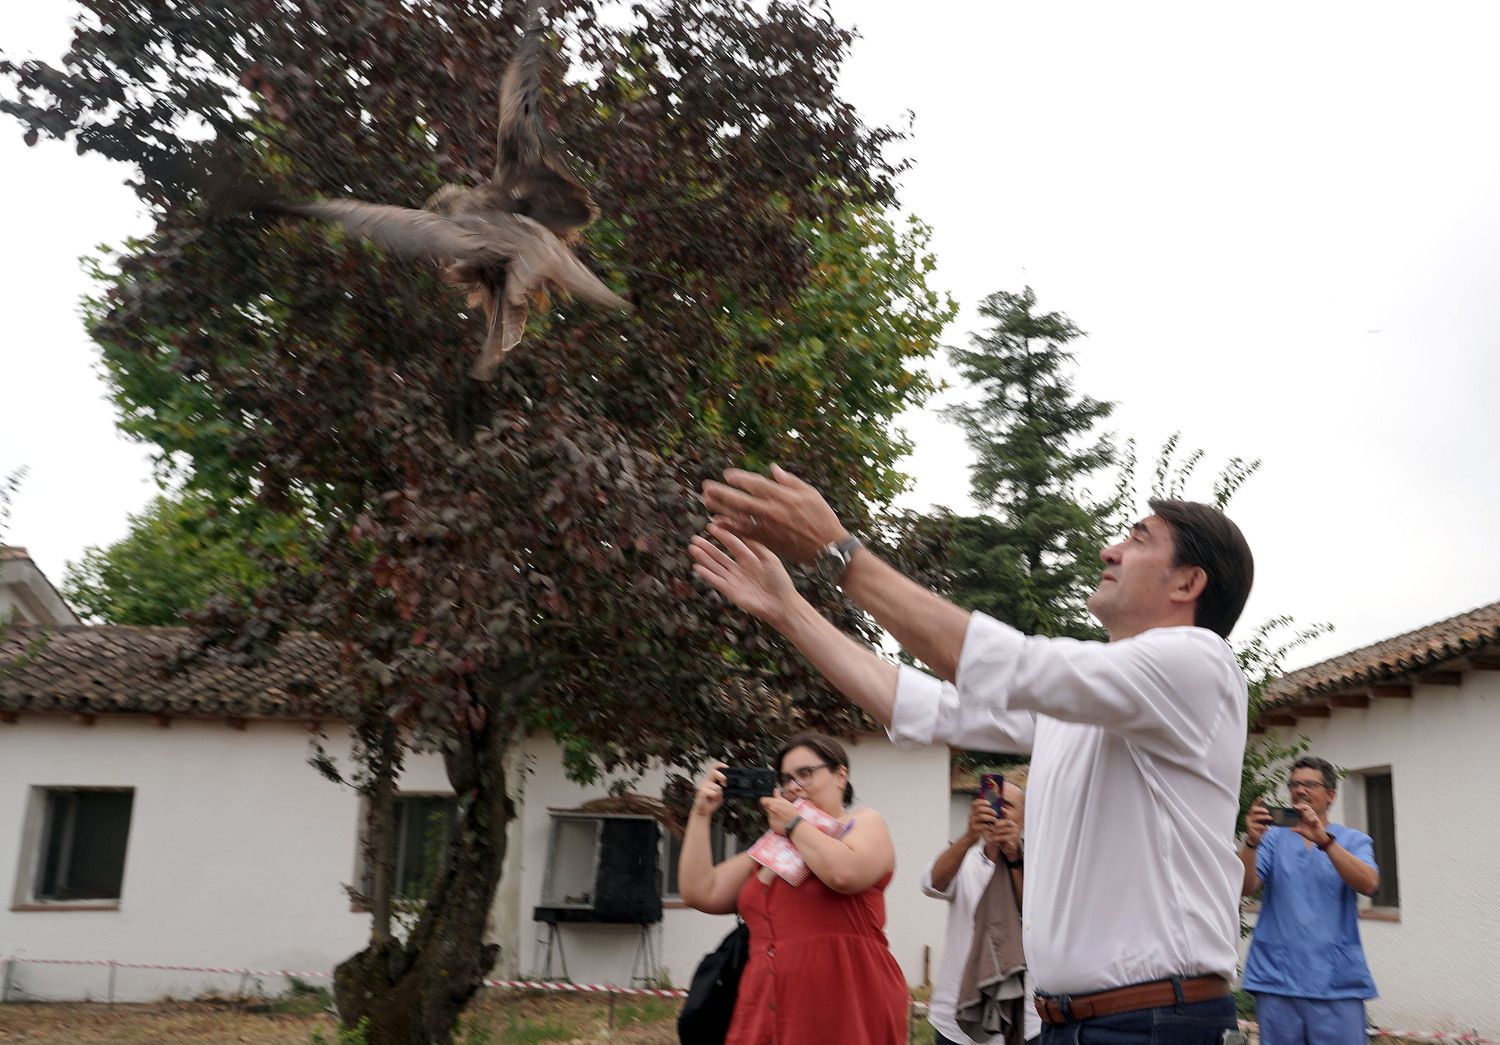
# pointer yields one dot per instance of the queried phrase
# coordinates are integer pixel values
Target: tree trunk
(412, 993)
(380, 843)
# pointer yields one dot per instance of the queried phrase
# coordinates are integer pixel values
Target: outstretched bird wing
(535, 259)
(535, 255)
(405, 231)
(530, 173)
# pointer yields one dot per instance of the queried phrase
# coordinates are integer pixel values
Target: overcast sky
(1278, 223)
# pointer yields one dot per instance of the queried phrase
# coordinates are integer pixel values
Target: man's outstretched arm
(750, 575)
(791, 518)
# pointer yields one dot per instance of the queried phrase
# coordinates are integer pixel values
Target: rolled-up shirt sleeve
(930, 711)
(1141, 687)
(933, 891)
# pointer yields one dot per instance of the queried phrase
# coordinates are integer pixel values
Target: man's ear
(1189, 584)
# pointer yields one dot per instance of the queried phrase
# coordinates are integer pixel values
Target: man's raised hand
(780, 511)
(1006, 834)
(747, 573)
(1256, 822)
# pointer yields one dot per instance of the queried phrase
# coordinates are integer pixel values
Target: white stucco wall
(236, 855)
(238, 852)
(909, 788)
(1438, 968)
(959, 805)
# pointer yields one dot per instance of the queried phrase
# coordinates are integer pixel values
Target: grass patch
(302, 999)
(646, 1010)
(342, 1035)
(529, 1031)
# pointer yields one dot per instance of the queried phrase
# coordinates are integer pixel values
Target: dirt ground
(496, 1017)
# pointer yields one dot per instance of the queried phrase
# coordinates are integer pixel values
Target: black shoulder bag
(705, 1015)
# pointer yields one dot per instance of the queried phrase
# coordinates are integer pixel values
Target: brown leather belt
(1062, 1008)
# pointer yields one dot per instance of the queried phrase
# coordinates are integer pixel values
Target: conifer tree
(1032, 557)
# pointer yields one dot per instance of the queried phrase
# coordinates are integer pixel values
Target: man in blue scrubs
(1306, 966)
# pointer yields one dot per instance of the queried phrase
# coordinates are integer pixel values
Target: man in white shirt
(1133, 883)
(960, 874)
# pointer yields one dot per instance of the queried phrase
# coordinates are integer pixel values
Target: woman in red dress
(820, 969)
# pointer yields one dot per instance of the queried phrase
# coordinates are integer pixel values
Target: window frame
(1355, 789)
(402, 826)
(722, 845)
(37, 837)
(1388, 896)
(364, 870)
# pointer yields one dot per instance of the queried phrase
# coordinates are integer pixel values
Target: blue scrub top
(1306, 941)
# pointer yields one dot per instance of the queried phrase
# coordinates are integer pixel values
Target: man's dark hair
(1205, 537)
(826, 748)
(1322, 765)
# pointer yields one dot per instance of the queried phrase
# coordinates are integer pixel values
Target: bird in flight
(504, 242)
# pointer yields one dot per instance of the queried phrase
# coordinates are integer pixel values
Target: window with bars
(83, 841)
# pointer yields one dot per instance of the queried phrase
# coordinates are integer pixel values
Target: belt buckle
(1064, 1003)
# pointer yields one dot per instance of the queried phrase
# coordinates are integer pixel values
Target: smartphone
(1284, 816)
(992, 787)
(1234, 1037)
(748, 782)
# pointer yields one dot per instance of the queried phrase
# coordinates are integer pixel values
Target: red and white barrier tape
(527, 985)
(585, 988)
(169, 968)
(650, 992)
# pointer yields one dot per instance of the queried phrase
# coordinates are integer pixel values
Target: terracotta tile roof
(1399, 659)
(121, 670)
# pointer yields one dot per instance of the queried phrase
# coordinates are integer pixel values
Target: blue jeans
(1196, 1023)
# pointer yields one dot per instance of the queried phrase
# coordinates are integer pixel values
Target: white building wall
(909, 788)
(1438, 968)
(959, 805)
(237, 854)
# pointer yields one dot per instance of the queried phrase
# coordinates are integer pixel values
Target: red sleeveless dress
(820, 970)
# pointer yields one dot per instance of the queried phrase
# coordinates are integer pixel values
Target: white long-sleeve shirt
(1136, 745)
(963, 893)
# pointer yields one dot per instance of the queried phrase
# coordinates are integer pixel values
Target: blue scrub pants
(1195, 1023)
(1310, 1021)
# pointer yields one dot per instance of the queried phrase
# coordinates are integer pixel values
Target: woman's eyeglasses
(801, 776)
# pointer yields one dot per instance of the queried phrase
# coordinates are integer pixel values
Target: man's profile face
(1135, 586)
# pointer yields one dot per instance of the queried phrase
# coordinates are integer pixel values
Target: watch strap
(840, 552)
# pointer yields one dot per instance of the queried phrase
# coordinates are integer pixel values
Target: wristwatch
(833, 558)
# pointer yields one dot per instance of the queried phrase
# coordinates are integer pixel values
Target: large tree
(1031, 557)
(506, 556)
